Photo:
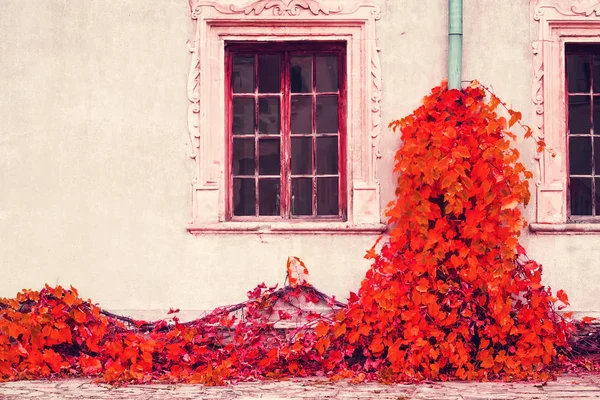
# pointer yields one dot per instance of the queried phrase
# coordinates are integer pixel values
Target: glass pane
(596, 85)
(269, 73)
(302, 155)
(327, 114)
(243, 196)
(269, 160)
(327, 155)
(268, 197)
(597, 154)
(268, 115)
(578, 73)
(301, 74)
(243, 116)
(580, 155)
(581, 196)
(301, 115)
(242, 75)
(579, 114)
(597, 114)
(327, 73)
(327, 196)
(301, 196)
(243, 157)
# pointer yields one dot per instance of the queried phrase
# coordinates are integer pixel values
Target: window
(583, 106)
(566, 115)
(286, 119)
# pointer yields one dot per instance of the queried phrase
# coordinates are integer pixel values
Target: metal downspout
(455, 35)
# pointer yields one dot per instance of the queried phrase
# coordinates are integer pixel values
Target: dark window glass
(579, 115)
(327, 73)
(327, 114)
(301, 196)
(597, 156)
(243, 116)
(244, 196)
(269, 73)
(580, 155)
(242, 76)
(301, 114)
(301, 74)
(581, 196)
(327, 196)
(268, 196)
(269, 116)
(301, 155)
(327, 155)
(578, 73)
(243, 156)
(269, 157)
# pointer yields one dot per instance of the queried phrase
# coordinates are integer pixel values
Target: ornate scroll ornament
(587, 11)
(289, 7)
(375, 104)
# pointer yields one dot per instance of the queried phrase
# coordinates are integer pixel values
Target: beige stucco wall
(94, 153)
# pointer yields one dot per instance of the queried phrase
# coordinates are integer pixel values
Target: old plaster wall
(94, 168)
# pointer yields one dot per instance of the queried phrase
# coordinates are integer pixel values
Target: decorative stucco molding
(215, 23)
(556, 22)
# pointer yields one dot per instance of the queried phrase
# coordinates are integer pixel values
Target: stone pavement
(566, 387)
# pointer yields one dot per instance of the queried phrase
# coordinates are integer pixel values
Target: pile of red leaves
(450, 295)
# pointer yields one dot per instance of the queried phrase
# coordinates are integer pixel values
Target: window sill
(310, 228)
(566, 229)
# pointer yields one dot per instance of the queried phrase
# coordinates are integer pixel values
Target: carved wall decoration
(556, 22)
(216, 23)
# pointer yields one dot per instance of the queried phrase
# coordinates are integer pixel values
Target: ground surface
(566, 387)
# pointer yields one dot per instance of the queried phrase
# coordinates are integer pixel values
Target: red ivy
(450, 295)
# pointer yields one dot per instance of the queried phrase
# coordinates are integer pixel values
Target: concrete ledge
(566, 229)
(310, 228)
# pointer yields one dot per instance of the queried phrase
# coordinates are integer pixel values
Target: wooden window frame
(285, 49)
(584, 49)
(558, 22)
(218, 23)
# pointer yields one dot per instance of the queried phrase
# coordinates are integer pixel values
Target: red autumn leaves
(450, 294)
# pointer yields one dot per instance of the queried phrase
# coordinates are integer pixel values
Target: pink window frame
(558, 22)
(216, 23)
(337, 48)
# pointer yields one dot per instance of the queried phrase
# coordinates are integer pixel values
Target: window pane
(301, 196)
(597, 154)
(596, 60)
(242, 76)
(243, 116)
(243, 196)
(581, 196)
(580, 155)
(578, 72)
(327, 155)
(597, 114)
(302, 156)
(301, 74)
(269, 160)
(269, 73)
(243, 157)
(268, 196)
(327, 114)
(268, 115)
(327, 196)
(579, 114)
(327, 73)
(301, 115)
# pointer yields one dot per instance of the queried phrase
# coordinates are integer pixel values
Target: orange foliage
(450, 294)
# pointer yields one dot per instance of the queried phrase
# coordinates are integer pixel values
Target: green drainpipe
(455, 35)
